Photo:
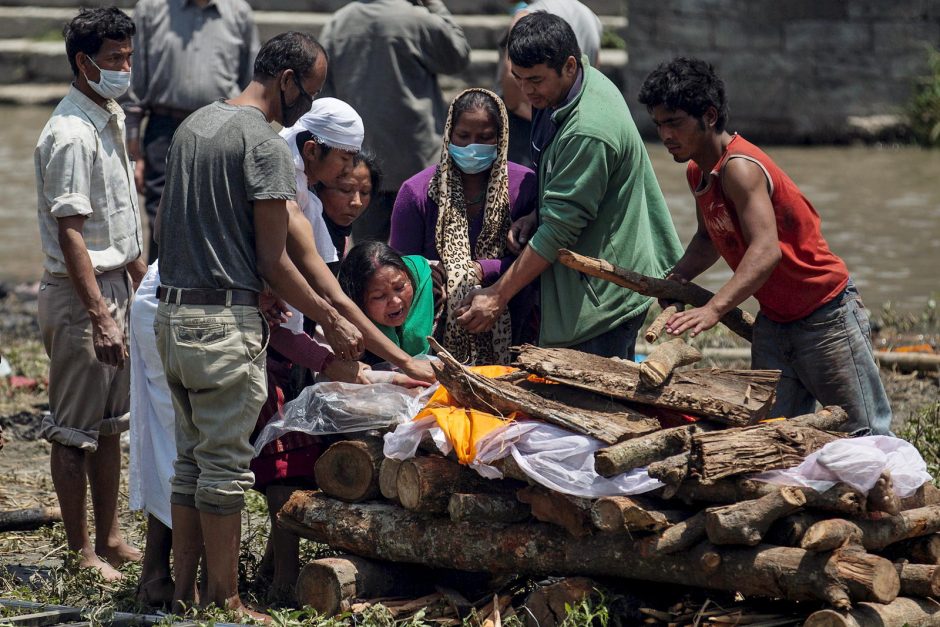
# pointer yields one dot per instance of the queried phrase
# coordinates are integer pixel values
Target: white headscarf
(337, 125)
(333, 122)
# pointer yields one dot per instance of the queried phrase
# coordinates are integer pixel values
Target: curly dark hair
(541, 37)
(688, 84)
(288, 51)
(362, 262)
(87, 31)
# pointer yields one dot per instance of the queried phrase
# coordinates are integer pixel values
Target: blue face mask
(111, 84)
(473, 158)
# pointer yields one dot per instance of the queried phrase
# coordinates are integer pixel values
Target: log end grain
(866, 577)
(349, 470)
(388, 478)
(327, 585)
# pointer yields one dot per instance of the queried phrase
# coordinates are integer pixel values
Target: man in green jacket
(598, 196)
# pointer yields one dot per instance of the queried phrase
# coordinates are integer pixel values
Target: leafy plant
(923, 431)
(924, 109)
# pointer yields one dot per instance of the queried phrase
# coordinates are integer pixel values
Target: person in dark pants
(173, 77)
(812, 325)
(386, 56)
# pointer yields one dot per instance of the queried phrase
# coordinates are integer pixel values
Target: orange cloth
(465, 427)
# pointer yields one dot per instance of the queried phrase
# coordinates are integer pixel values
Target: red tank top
(809, 274)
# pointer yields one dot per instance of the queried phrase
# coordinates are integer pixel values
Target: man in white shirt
(91, 237)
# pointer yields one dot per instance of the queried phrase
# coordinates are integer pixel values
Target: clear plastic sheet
(549, 455)
(335, 407)
(857, 462)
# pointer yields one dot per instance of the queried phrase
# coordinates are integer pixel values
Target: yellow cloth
(465, 427)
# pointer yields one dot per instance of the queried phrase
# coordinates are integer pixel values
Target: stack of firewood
(711, 526)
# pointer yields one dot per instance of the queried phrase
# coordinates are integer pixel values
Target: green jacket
(598, 196)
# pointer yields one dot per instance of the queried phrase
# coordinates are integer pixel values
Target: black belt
(198, 296)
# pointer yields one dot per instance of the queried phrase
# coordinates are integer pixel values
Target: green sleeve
(572, 193)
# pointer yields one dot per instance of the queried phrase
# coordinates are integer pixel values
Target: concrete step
(45, 23)
(37, 72)
(465, 7)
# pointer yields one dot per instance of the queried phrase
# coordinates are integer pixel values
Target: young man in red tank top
(812, 325)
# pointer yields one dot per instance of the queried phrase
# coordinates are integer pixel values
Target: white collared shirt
(82, 168)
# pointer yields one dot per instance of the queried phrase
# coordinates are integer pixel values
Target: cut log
(882, 497)
(329, 585)
(901, 611)
(737, 320)
(734, 397)
(486, 508)
(679, 537)
(349, 469)
(927, 494)
(380, 530)
(646, 449)
(904, 362)
(923, 550)
(426, 483)
(501, 398)
(388, 478)
(547, 606)
(840, 498)
(877, 534)
(829, 418)
(617, 514)
(919, 580)
(672, 471)
(29, 519)
(834, 533)
(747, 522)
(789, 530)
(511, 469)
(656, 327)
(569, 512)
(665, 358)
(759, 448)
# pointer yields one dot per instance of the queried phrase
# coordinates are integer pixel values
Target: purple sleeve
(523, 203)
(301, 349)
(408, 223)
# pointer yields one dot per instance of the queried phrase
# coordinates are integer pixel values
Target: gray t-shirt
(222, 158)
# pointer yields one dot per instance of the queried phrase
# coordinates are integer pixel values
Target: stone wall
(795, 70)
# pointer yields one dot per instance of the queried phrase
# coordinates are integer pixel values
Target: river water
(880, 208)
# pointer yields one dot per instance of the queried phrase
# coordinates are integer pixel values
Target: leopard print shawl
(452, 238)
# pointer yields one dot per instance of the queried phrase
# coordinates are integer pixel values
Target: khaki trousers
(86, 397)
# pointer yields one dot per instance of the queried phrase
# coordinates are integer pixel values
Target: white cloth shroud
(153, 421)
(551, 456)
(857, 462)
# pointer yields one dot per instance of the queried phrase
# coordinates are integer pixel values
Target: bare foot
(242, 611)
(120, 553)
(157, 592)
(87, 559)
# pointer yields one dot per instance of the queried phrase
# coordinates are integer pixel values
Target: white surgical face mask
(112, 84)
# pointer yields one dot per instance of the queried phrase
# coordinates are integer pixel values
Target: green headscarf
(412, 336)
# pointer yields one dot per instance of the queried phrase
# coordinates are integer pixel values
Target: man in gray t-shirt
(222, 231)
(216, 236)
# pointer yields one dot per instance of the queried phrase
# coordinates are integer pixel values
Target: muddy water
(880, 209)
